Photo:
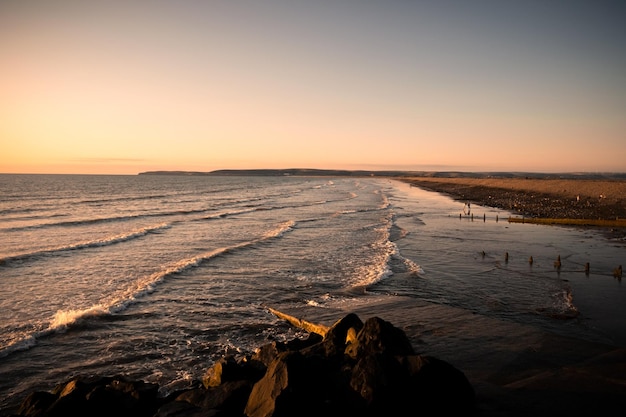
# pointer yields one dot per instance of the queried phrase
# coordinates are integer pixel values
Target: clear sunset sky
(127, 86)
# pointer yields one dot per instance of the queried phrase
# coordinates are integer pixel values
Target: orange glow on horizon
(306, 86)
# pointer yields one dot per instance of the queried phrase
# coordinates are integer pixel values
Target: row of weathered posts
(617, 272)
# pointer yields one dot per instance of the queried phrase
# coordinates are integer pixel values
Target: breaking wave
(64, 319)
(111, 240)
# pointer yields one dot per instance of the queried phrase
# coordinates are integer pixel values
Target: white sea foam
(379, 269)
(109, 240)
(279, 231)
(148, 284)
(64, 318)
(23, 343)
(60, 322)
(564, 304)
(413, 267)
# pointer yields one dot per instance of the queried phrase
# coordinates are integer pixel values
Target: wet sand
(516, 370)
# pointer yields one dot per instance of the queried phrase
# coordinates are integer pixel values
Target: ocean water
(155, 277)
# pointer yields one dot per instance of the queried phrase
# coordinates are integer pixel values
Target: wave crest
(110, 240)
(64, 318)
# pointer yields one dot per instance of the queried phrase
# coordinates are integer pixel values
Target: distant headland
(390, 173)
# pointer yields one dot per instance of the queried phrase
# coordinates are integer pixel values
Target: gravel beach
(566, 201)
(548, 198)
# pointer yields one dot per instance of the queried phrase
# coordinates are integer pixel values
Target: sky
(121, 87)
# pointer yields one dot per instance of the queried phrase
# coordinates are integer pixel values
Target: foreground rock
(94, 396)
(355, 368)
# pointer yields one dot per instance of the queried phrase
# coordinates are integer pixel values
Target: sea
(156, 276)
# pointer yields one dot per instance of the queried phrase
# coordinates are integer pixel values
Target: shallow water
(156, 276)
(473, 255)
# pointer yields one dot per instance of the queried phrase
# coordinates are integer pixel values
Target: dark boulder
(228, 398)
(341, 334)
(377, 379)
(228, 369)
(379, 336)
(94, 396)
(36, 403)
(303, 385)
(377, 374)
(267, 353)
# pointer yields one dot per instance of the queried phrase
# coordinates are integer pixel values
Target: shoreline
(516, 369)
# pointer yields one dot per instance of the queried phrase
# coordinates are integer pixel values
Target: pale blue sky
(123, 86)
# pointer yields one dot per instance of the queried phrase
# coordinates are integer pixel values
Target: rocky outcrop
(355, 368)
(94, 396)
